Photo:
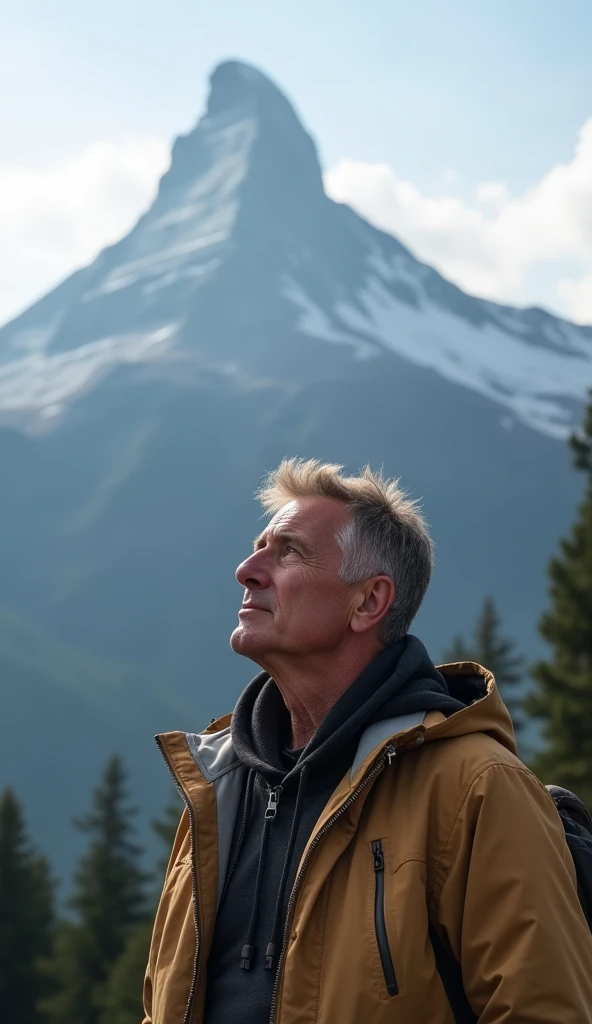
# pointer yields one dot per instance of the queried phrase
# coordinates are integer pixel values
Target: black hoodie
(285, 793)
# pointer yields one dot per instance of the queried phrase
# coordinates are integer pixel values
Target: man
(360, 807)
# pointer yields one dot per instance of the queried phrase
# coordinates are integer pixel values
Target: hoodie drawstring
(270, 951)
(248, 950)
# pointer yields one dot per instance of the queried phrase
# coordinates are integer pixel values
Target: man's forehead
(288, 514)
(309, 513)
(285, 522)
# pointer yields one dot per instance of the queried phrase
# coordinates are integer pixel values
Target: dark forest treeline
(86, 966)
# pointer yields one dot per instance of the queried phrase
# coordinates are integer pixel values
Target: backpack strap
(577, 825)
(574, 808)
(451, 976)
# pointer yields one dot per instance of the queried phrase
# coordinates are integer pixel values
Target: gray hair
(386, 536)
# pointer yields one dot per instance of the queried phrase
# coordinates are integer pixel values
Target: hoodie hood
(401, 680)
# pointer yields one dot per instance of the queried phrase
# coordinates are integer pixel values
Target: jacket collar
(213, 753)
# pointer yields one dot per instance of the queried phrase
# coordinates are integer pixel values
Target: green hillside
(67, 711)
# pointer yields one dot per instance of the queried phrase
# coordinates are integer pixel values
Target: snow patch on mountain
(30, 340)
(316, 324)
(43, 384)
(538, 384)
(177, 240)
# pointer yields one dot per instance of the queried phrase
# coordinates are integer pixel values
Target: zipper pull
(390, 752)
(378, 855)
(272, 803)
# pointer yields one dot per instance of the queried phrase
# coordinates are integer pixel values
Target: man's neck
(311, 686)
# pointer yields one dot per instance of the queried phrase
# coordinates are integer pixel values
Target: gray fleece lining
(213, 753)
(382, 731)
(229, 788)
(215, 757)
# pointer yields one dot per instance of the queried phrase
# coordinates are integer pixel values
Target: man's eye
(289, 548)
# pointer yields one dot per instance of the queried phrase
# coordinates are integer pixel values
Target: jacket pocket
(380, 922)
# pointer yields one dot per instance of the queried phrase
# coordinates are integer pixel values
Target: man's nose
(251, 573)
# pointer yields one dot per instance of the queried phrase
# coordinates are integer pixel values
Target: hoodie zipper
(380, 921)
(387, 755)
(273, 799)
(192, 830)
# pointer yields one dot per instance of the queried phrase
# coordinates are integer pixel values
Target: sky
(463, 128)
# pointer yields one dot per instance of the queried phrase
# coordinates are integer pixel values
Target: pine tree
(459, 650)
(491, 649)
(26, 917)
(165, 828)
(122, 1003)
(562, 700)
(108, 902)
(123, 995)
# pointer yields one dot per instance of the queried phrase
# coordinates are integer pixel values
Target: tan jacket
(467, 836)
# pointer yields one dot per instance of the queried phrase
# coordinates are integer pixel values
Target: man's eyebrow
(284, 535)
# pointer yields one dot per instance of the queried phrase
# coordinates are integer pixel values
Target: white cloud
(492, 192)
(54, 220)
(578, 295)
(489, 246)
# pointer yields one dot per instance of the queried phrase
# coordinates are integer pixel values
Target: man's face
(294, 601)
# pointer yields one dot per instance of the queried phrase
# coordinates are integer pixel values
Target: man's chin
(246, 642)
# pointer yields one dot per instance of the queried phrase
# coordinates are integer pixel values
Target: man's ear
(376, 596)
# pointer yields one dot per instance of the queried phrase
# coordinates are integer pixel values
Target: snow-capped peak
(242, 252)
(538, 384)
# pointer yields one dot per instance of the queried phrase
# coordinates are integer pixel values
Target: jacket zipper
(380, 922)
(387, 754)
(192, 830)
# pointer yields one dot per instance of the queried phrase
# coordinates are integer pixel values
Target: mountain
(246, 317)
(64, 712)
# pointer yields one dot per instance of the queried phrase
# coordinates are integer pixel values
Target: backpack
(577, 825)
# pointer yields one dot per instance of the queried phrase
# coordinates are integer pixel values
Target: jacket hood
(484, 710)
(401, 680)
